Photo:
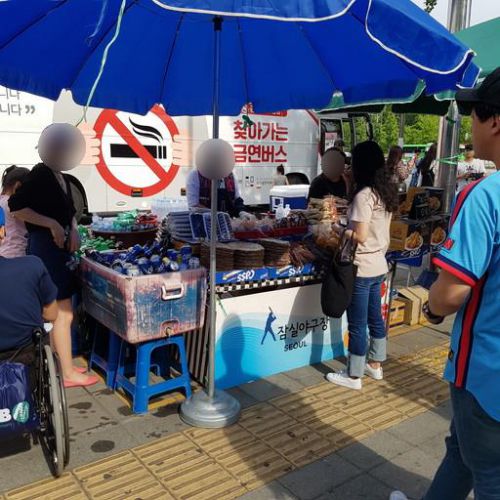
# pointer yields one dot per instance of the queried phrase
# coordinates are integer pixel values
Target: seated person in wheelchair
(27, 300)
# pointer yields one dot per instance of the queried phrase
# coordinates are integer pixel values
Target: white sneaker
(341, 378)
(375, 374)
(398, 495)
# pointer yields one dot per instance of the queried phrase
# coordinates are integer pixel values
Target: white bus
(137, 158)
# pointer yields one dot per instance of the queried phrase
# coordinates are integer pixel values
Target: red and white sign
(136, 155)
(263, 142)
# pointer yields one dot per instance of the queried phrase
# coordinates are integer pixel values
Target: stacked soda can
(146, 260)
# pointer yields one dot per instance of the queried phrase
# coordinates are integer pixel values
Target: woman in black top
(45, 204)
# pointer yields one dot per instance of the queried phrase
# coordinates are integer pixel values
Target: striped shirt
(472, 253)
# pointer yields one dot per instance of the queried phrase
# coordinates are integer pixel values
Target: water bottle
(280, 211)
(287, 210)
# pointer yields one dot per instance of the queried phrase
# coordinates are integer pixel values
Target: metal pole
(459, 12)
(212, 408)
(401, 135)
(213, 213)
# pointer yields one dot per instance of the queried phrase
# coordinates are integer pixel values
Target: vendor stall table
(265, 328)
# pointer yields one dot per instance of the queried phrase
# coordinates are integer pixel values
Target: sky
(482, 10)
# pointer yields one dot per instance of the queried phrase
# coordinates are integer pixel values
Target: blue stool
(109, 365)
(140, 390)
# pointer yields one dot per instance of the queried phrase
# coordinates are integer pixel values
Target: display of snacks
(321, 210)
(439, 232)
(247, 255)
(300, 254)
(224, 256)
(409, 235)
(277, 252)
(415, 204)
(435, 199)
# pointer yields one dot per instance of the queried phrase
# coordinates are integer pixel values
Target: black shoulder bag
(338, 282)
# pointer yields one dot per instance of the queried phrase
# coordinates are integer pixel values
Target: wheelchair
(49, 399)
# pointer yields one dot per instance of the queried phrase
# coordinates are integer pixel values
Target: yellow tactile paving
(64, 488)
(299, 444)
(119, 477)
(187, 471)
(254, 464)
(263, 420)
(270, 440)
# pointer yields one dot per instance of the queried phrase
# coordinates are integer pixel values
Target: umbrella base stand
(200, 410)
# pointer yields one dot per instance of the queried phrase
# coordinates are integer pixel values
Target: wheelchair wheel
(52, 411)
(64, 408)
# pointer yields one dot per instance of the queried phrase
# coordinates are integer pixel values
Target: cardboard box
(398, 309)
(439, 232)
(414, 204)
(409, 235)
(142, 308)
(416, 297)
(435, 200)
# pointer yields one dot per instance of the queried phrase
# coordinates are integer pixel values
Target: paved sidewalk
(299, 437)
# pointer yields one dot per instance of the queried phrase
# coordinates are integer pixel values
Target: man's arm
(448, 294)
(50, 311)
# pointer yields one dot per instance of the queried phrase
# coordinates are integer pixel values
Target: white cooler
(294, 195)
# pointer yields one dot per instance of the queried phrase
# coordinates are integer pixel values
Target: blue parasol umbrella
(198, 57)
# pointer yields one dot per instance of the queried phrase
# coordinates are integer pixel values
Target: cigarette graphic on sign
(125, 151)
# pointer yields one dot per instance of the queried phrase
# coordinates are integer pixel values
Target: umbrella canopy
(483, 38)
(276, 55)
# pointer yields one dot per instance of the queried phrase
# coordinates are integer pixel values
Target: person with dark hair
(332, 181)
(44, 202)
(425, 166)
(339, 144)
(470, 169)
(468, 285)
(374, 200)
(399, 171)
(15, 243)
(280, 179)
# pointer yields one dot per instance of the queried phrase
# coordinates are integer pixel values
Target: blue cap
(2, 217)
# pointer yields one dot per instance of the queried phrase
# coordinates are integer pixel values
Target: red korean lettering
(268, 153)
(240, 153)
(280, 134)
(281, 155)
(254, 153)
(240, 131)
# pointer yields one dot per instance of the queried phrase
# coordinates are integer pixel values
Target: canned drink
(117, 266)
(194, 263)
(133, 270)
(155, 262)
(186, 252)
(144, 265)
(173, 255)
(135, 251)
(173, 267)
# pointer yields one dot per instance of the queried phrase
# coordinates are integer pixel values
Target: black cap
(487, 93)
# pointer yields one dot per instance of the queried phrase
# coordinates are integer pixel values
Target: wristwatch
(435, 320)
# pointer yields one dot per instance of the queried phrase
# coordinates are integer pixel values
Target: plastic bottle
(280, 212)
(287, 210)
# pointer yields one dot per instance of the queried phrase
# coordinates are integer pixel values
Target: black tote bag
(338, 282)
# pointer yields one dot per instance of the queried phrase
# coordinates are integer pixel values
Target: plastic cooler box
(142, 308)
(294, 195)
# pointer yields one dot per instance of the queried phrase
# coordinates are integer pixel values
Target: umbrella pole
(212, 408)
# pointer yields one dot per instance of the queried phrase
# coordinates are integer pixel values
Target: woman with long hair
(374, 200)
(425, 166)
(16, 240)
(399, 171)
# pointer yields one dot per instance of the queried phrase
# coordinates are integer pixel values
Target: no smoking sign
(136, 151)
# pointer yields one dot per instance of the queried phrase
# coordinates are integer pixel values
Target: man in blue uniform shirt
(469, 285)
